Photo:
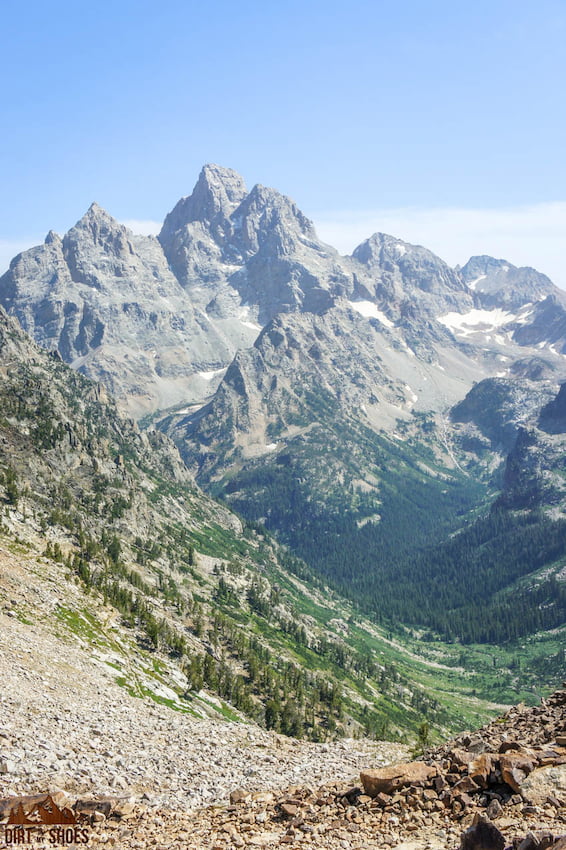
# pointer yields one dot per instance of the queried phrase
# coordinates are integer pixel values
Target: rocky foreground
(504, 786)
(130, 773)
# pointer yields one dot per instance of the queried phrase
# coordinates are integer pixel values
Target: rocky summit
(158, 321)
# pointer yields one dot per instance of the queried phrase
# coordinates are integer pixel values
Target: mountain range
(159, 320)
(398, 424)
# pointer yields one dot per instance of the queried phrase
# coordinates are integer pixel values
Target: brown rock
(388, 779)
(482, 836)
(461, 757)
(466, 785)
(88, 807)
(124, 808)
(494, 809)
(429, 794)
(480, 768)
(515, 767)
(263, 797)
(539, 840)
(509, 745)
(289, 809)
(239, 796)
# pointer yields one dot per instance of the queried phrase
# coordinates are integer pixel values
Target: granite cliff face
(256, 247)
(159, 320)
(107, 301)
(498, 283)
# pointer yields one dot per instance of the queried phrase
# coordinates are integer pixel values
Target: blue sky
(444, 121)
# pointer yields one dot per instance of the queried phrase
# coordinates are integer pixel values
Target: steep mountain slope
(313, 392)
(106, 300)
(225, 243)
(190, 607)
(394, 523)
(158, 326)
(289, 440)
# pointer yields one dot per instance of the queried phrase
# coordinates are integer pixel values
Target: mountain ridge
(226, 262)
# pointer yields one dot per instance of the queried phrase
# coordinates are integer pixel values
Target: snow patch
(369, 310)
(244, 317)
(525, 314)
(473, 283)
(414, 396)
(209, 376)
(465, 324)
(409, 351)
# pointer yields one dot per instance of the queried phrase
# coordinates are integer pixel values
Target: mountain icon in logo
(45, 811)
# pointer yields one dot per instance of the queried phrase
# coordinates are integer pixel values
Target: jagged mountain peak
(407, 280)
(498, 283)
(53, 238)
(268, 218)
(97, 230)
(96, 210)
(218, 181)
(382, 248)
(216, 194)
(482, 264)
(97, 216)
(382, 242)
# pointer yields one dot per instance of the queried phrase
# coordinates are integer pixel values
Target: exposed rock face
(552, 417)
(482, 836)
(239, 310)
(257, 247)
(409, 281)
(269, 389)
(159, 321)
(106, 300)
(499, 407)
(498, 283)
(544, 783)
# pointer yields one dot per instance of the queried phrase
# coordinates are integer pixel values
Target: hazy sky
(442, 123)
